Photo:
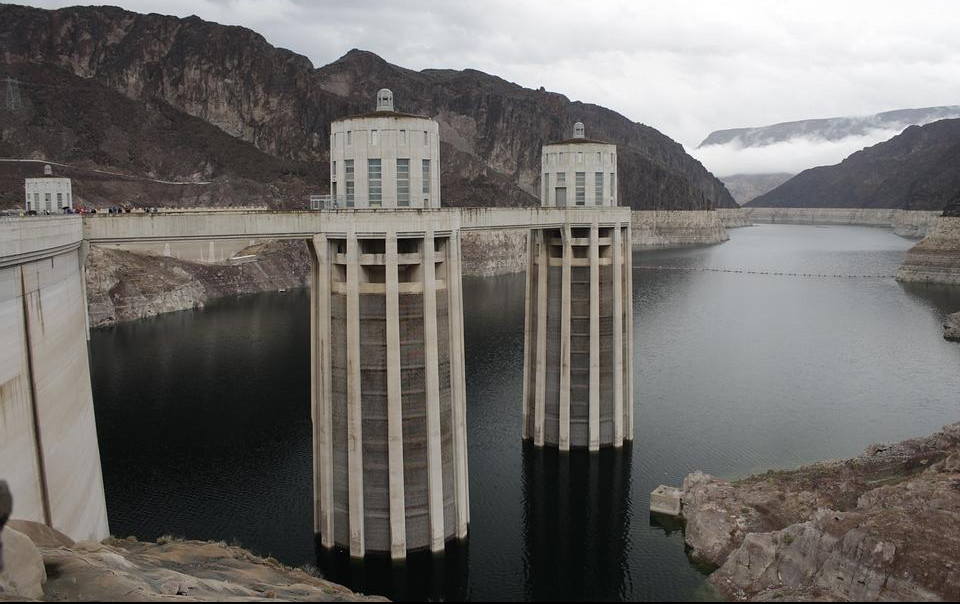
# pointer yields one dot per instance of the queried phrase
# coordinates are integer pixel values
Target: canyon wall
(669, 228)
(907, 223)
(124, 285)
(936, 259)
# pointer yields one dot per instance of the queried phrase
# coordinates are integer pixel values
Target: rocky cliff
(916, 170)
(122, 285)
(121, 151)
(664, 228)
(274, 100)
(52, 567)
(881, 526)
(951, 327)
(936, 259)
(747, 187)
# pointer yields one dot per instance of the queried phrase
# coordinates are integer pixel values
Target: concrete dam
(387, 360)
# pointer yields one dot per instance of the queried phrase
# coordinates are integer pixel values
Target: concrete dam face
(48, 437)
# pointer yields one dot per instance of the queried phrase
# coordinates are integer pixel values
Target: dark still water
(204, 418)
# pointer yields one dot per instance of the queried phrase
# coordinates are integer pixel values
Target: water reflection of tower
(576, 522)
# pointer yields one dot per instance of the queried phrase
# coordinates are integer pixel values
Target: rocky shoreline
(881, 526)
(951, 327)
(124, 286)
(936, 259)
(43, 563)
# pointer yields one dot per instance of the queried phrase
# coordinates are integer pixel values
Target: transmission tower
(13, 94)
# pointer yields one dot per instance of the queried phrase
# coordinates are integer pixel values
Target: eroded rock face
(23, 574)
(667, 228)
(118, 570)
(123, 286)
(882, 526)
(951, 328)
(936, 259)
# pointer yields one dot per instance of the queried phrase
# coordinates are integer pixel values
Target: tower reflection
(576, 520)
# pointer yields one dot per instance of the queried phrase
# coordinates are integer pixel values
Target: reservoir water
(204, 419)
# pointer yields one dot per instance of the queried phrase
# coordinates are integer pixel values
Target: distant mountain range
(747, 187)
(916, 170)
(164, 98)
(830, 129)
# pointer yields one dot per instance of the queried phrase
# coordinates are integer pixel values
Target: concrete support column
(543, 270)
(432, 382)
(628, 314)
(398, 527)
(529, 320)
(458, 384)
(565, 343)
(618, 381)
(354, 401)
(594, 419)
(321, 410)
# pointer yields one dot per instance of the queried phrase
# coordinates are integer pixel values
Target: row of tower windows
(590, 157)
(374, 137)
(63, 201)
(580, 188)
(375, 181)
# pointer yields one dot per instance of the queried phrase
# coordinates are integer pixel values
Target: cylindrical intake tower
(578, 172)
(385, 159)
(389, 387)
(578, 381)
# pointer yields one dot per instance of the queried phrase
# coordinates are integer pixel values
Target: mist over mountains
(918, 169)
(792, 147)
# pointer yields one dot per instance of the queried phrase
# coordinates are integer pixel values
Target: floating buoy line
(740, 271)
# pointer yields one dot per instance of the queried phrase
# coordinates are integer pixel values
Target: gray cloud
(685, 68)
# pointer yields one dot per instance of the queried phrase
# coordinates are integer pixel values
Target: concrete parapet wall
(668, 228)
(23, 239)
(48, 440)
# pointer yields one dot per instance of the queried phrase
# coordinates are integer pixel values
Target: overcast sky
(685, 67)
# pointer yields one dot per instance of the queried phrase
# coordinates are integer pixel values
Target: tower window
(598, 188)
(374, 182)
(403, 182)
(348, 177)
(581, 192)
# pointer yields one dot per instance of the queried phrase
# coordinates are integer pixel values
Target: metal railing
(330, 202)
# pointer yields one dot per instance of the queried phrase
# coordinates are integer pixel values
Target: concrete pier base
(389, 388)
(666, 500)
(578, 344)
